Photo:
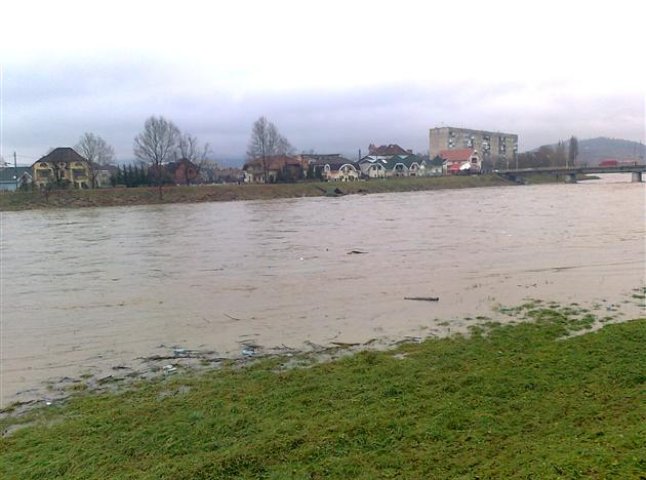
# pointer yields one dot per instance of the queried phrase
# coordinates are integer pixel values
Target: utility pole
(15, 170)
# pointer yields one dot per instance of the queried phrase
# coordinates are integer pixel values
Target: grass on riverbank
(522, 401)
(211, 193)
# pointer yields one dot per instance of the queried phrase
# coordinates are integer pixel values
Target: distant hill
(594, 150)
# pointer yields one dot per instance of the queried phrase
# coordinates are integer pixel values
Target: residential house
(344, 172)
(332, 167)
(275, 168)
(183, 172)
(496, 148)
(390, 161)
(404, 166)
(461, 161)
(14, 178)
(374, 166)
(103, 174)
(222, 175)
(434, 167)
(387, 150)
(397, 165)
(64, 167)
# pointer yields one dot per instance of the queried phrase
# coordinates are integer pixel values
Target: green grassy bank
(521, 401)
(211, 193)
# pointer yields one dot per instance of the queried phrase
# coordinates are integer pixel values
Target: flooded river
(88, 290)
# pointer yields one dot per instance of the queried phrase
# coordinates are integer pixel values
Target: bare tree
(560, 157)
(189, 148)
(95, 149)
(156, 145)
(209, 170)
(573, 150)
(266, 142)
(544, 156)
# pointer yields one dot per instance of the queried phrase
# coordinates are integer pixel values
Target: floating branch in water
(424, 299)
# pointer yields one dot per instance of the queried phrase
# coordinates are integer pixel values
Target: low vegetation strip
(518, 401)
(229, 192)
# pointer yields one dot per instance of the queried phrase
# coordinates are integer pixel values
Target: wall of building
(76, 173)
(493, 147)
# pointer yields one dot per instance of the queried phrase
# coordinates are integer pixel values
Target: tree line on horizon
(161, 142)
(561, 155)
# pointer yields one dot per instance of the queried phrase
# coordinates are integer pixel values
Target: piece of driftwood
(344, 344)
(356, 252)
(331, 193)
(424, 299)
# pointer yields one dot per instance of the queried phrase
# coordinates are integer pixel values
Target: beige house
(275, 168)
(434, 167)
(374, 166)
(103, 175)
(63, 167)
(396, 165)
(343, 172)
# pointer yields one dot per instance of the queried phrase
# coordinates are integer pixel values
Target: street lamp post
(15, 170)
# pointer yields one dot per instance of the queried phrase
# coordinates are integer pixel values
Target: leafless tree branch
(156, 145)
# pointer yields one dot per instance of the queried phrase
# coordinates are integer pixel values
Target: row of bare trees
(161, 141)
(560, 155)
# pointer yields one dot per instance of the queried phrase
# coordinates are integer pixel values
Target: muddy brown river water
(88, 290)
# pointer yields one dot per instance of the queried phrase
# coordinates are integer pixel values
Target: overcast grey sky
(334, 76)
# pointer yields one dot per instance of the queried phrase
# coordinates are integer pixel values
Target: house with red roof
(460, 161)
(274, 168)
(391, 161)
(184, 172)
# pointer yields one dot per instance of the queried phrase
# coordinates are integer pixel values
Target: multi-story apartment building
(496, 149)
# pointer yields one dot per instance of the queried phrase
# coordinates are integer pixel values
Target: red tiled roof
(459, 155)
(275, 162)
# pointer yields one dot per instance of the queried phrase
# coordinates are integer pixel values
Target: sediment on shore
(497, 399)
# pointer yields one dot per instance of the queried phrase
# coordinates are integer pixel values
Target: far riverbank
(13, 201)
